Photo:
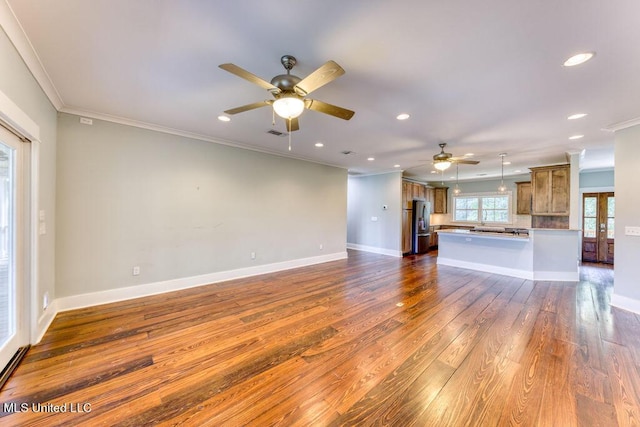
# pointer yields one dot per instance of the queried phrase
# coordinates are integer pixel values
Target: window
(483, 208)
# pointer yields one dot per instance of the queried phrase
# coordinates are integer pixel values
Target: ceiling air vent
(276, 133)
(348, 152)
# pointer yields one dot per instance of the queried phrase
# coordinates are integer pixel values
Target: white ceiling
(484, 77)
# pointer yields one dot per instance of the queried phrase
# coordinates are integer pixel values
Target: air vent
(348, 152)
(481, 174)
(276, 133)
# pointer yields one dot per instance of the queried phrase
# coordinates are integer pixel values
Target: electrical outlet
(321, 246)
(253, 255)
(632, 231)
(136, 270)
(374, 218)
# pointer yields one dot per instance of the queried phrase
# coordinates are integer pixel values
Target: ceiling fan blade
(332, 110)
(248, 107)
(464, 162)
(320, 77)
(240, 72)
(292, 125)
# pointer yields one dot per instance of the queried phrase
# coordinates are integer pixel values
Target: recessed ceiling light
(578, 59)
(452, 177)
(396, 166)
(469, 155)
(507, 163)
(434, 171)
(319, 144)
(403, 116)
(576, 116)
(371, 159)
(224, 118)
(576, 136)
(517, 171)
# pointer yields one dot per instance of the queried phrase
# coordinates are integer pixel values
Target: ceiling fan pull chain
(273, 118)
(289, 133)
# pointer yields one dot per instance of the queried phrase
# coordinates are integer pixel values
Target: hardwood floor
(371, 340)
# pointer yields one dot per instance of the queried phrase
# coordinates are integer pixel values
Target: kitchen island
(542, 254)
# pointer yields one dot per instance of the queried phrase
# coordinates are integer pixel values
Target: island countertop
(483, 234)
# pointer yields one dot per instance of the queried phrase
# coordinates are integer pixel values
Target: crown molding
(21, 42)
(622, 125)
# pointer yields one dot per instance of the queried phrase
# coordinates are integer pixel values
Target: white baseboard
(375, 250)
(44, 321)
(121, 294)
(522, 274)
(557, 276)
(625, 303)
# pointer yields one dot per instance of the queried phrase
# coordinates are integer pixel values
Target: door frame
(18, 276)
(610, 189)
(19, 122)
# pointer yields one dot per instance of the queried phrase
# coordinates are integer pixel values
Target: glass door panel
(598, 221)
(11, 312)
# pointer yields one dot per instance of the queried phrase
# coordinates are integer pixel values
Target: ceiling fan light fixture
(576, 116)
(288, 107)
(442, 165)
(578, 59)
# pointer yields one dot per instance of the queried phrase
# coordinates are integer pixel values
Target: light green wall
(179, 207)
(19, 85)
(485, 187)
(367, 196)
(627, 248)
(598, 179)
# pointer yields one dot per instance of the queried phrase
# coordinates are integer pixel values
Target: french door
(13, 307)
(598, 214)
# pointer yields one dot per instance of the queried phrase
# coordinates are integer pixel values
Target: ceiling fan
(290, 91)
(442, 161)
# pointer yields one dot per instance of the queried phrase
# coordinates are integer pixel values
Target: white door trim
(12, 116)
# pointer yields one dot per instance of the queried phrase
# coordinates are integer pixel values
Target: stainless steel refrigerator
(420, 228)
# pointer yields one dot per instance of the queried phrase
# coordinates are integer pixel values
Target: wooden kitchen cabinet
(523, 201)
(428, 195)
(406, 230)
(550, 190)
(418, 191)
(410, 191)
(433, 237)
(440, 200)
(406, 195)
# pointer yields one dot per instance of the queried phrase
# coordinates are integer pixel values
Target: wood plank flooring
(371, 340)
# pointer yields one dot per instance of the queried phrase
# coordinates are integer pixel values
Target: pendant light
(456, 189)
(502, 187)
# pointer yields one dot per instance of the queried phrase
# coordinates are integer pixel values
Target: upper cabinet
(410, 192)
(550, 190)
(440, 200)
(523, 201)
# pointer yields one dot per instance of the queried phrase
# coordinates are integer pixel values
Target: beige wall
(179, 207)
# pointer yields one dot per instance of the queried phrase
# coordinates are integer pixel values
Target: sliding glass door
(12, 306)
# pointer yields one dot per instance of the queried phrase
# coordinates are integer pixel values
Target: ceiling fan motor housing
(285, 82)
